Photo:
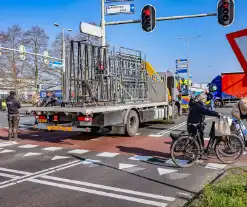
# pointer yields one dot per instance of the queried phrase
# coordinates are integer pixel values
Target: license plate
(59, 128)
(42, 120)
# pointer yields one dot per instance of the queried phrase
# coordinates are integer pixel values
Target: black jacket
(48, 100)
(209, 96)
(13, 105)
(198, 111)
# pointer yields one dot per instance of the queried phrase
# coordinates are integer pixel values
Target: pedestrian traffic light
(148, 18)
(226, 12)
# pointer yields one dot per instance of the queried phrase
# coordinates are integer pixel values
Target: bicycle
(191, 145)
(240, 129)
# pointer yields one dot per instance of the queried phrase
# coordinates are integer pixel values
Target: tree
(11, 68)
(37, 40)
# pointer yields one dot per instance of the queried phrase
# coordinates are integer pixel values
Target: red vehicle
(230, 87)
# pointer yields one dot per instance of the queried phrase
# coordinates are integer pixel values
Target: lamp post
(188, 42)
(63, 57)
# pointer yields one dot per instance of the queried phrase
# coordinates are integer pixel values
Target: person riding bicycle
(196, 117)
(239, 112)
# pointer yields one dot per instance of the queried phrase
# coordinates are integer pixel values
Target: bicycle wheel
(188, 146)
(229, 149)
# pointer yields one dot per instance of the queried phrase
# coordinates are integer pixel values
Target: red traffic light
(226, 5)
(147, 12)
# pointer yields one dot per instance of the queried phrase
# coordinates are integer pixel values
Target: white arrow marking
(59, 157)
(31, 154)
(6, 151)
(124, 166)
(163, 171)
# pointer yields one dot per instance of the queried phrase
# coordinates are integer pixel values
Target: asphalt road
(59, 169)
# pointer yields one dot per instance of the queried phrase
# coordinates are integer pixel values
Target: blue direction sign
(109, 1)
(55, 64)
(120, 9)
(182, 61)
(182, 70)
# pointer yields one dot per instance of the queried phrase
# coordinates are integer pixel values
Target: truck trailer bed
(95, 109)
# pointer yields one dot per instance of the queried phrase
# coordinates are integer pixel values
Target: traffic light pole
(157, 19)
(103, 24)
(30, 53)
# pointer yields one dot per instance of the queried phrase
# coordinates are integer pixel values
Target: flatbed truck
(107, 89)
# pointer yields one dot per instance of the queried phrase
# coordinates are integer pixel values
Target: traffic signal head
(148, 18)
(226, 12)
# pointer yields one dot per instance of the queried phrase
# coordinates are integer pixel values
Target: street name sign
(120, 9)
(90, 29)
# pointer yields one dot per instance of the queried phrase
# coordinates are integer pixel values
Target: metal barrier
(100, 76)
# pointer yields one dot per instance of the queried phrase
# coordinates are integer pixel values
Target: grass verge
(230, 191)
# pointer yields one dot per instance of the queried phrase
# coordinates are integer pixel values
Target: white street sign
(118, 9)
(90, 29)
(182, 66)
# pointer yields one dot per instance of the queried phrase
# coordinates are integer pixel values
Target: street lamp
(63, 57)
(188, 42)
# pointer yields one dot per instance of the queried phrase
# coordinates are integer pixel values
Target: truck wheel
(218, 103)
(132, 124)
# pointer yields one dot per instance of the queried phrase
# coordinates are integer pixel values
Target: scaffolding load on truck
(106, 88)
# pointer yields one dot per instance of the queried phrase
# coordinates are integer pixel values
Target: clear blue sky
(210, 54)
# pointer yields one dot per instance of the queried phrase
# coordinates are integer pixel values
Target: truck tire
(218, 103)
(132, 124)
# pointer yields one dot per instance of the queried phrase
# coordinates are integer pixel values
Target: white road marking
(109, 188)
(5, 144)
(78, 151)
(31, 154)
(155, 135)
(8, 175)
(28, 146)
(215, 166)
(107, 154)
(6, 151)
(88, 161)
(138, 134)
(37, 174)
(163, 171)
(14, 171)
(206, 139)
(59, 157)
(172, 128)
(53, 148)
(102, 193)
(140, 158)
(124, 166)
